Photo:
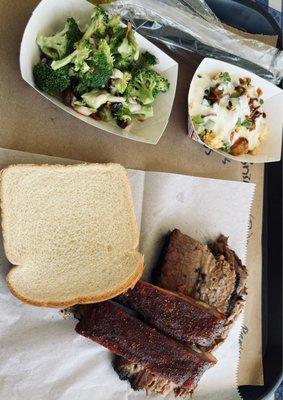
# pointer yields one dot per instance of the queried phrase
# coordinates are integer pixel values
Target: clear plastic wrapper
(190, 26)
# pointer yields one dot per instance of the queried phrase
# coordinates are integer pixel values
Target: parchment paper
(30, 123)
(41, 355)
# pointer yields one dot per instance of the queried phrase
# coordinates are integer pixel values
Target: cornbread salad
(227, 113)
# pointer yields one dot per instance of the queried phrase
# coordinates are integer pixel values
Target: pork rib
(139, 343)
(142, 378)
(180, 317)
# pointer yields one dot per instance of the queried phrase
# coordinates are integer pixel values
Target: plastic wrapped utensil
(190, 25)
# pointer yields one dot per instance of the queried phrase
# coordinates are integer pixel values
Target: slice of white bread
(70, 231)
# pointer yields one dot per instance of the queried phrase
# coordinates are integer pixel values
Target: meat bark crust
(178, 316)
(139, 343)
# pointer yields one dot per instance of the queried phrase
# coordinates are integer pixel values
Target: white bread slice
(70, 231)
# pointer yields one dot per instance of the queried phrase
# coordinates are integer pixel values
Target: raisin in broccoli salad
(227, 113)
(101, 71)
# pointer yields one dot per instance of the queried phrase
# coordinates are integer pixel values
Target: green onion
(225, 77)
(247, 124)
(226, 147)
(198, 120)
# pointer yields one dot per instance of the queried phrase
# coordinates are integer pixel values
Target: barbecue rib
(142, 379)
(213, 274)
(172, 362)
(178, 316)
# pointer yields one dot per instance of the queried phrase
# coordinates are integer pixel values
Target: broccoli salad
(100, 72)
(227, 113)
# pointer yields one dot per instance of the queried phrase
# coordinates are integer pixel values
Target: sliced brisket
(182, 262)
(221, 249)
(178, 316)
(217, 272)
(139, 343)
(216, 283)
(214, 274)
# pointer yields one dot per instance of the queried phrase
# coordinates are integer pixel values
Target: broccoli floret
(128, 51)
(95, 98)
(100, 69)
(115, 32)
(118, 86)
(124, 47)
(162, 84)
(93, 79)
(104, 47)
(85, 83)
(98, 24)
(146, 61)
(50, 81)
(114, 23)
(123, 117)
(82, 51)
(124, 113)
(61, 44)
(116, 40)
(145, 86)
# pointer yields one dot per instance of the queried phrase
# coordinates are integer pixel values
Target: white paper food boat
(49, 17)
(270, 148)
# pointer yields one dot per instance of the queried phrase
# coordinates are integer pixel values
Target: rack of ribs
(170, 363)
(181, 317)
